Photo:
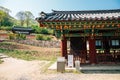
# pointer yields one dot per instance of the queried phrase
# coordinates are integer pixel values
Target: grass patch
(11, 46)
(30, 55)
(73, 71)
(17, 54)
(45, 68)
(14, 50)
(1, 61)
(43, 37)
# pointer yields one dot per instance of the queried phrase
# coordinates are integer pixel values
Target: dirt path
(16, 69)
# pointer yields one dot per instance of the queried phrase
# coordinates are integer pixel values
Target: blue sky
(36, 6)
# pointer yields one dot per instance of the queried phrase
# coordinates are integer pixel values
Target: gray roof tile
(80, 15)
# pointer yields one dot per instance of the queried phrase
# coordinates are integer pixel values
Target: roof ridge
(88, 11)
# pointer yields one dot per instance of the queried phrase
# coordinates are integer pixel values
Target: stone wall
(39, 43)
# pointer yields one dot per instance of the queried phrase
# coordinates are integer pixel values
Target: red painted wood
(41, 25)
(92, 51)
(64, 47)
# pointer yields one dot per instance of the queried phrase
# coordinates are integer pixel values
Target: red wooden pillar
(64, 47)
(92, 51)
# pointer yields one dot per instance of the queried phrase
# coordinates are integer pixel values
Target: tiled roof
(80, 15)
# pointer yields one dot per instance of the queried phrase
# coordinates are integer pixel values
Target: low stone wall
(49, 44)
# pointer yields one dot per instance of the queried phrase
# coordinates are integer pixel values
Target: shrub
(20, 36)
(40, 30)
(12, 36)
(48, 38)
(39, 37)
(17, 36)
(7, 28)
(42, 37)
(44, 31)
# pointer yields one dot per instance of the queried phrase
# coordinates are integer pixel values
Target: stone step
(100, 69)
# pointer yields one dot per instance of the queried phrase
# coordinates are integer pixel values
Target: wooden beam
(75, 25)
(76, 35)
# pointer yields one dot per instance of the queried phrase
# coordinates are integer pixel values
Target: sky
(36, 6)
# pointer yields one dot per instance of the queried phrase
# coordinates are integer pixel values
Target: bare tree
(21, 16)
(25, 17)
(28, 17)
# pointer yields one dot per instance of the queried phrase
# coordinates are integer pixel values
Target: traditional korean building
(100, 29)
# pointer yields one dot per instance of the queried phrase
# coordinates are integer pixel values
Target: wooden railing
(80, 55)
(102, 57)
(113, 56)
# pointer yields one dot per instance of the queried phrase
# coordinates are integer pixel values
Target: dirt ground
(16, 69)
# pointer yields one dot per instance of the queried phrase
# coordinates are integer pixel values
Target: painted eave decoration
(95, 20)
